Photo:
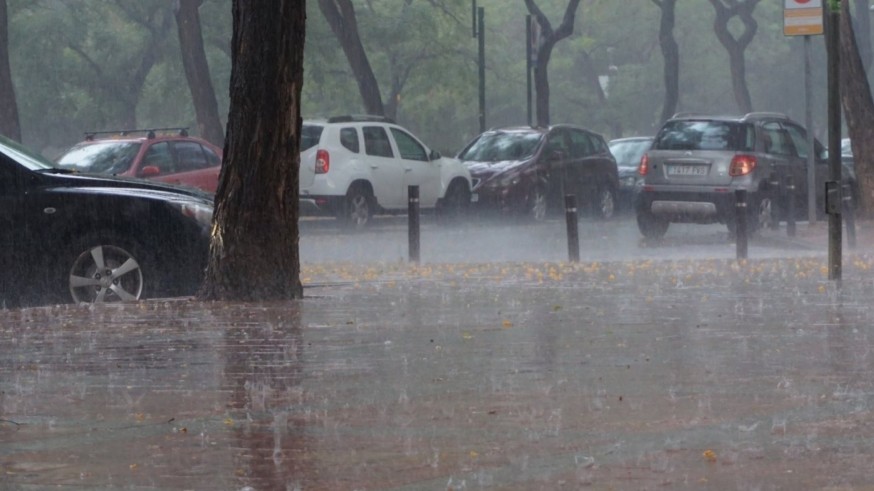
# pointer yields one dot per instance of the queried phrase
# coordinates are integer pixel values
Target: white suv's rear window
(309, 136)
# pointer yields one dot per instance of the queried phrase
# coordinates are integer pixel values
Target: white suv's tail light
(742, 165)
(323, 162)
(643, 168)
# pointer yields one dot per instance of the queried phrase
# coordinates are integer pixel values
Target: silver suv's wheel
(651, 226)
(105, 273)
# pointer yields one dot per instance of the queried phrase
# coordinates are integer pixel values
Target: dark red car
(164, 154)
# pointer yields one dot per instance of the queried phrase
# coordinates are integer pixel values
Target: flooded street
(680, 374)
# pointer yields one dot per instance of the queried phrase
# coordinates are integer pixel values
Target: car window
(500, 146)
(309, 136)
(408, 146)
(105, 157)
(376, 141)
(704, 135)
(349, 139)
(799, 139)
(581, 145)
(775, 140)
(629, 153)
(190, 156)
(158, 155)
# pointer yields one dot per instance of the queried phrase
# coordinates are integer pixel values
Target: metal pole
(833, 37)
(850, 215)
(808, 123)
(573, 235)
(413, 222)
(481, 37)
(473, 16)
(790, 206)
(528, 49)
(740, 233)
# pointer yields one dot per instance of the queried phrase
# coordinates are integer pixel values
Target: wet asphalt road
(699, 373)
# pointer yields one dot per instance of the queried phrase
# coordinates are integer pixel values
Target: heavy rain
(463, 324)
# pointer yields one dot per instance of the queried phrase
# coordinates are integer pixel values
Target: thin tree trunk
(254, 253)
(671, 55)
(737, 46)
(549, 38)
(9, 124)
(209, 123)
(858, 109)
(340, 15)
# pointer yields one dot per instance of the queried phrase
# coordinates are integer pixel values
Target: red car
(163, 154)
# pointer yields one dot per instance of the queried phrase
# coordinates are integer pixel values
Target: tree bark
(340, 15)
(194, 62)
(9, 123)
(254, 254)
(671, 55)
(858, 109)
(548, 40)
(862, 31)
(737, 46)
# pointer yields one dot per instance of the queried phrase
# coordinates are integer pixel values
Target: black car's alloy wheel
(106, 273)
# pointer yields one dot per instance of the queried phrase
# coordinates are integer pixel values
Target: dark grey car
(696, 163)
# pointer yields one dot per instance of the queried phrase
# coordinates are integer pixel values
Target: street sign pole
(808, 123)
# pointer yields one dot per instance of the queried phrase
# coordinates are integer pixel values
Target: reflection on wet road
(626, 375)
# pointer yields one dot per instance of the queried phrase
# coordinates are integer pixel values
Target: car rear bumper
(687, 206)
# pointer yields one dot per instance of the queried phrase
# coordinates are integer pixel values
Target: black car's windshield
(705, 135)
(629, 152)
(24, 156)
(501, 146)
(110, 157)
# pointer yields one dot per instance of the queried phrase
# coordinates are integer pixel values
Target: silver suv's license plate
(687, 170)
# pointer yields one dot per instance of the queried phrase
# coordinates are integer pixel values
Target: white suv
(354, 166)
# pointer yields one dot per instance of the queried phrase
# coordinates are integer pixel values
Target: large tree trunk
(671, 55)
(862, 30)
(254, 253)
(858, 111)
(340, 15)
(737, 46)
(209, 123)
(9, 124)
(548, 39)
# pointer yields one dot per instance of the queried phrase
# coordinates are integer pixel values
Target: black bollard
(790, 206)
(740, 231)
(573, 235)
(413, 222)
(849, 215)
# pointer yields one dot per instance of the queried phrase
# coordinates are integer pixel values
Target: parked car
(353, 167)
(697, 162)
(526, 171)
(628, 152)
(164, 154)
(71, 237)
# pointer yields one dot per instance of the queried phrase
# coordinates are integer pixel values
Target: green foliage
(73, 65)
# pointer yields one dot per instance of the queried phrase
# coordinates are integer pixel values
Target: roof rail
(685, 114)
(352, 118)
(765, 114)
(150, 132)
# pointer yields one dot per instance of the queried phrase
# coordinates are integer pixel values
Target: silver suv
(696, 163)
(355, 166)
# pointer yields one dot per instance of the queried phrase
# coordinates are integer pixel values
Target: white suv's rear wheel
(358, 207)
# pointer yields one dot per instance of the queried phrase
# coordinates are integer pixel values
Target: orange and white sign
(802, 17)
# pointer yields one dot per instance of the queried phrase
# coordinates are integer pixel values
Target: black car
(71, 237)
(527, 171)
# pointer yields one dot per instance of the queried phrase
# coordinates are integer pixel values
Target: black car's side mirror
(434, 155)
